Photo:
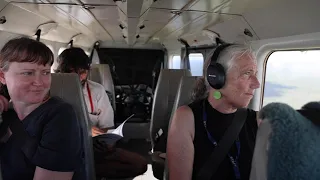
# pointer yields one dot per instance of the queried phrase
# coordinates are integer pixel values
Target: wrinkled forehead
(245, 61)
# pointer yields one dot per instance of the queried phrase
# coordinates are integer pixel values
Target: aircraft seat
(287, 144)
(164, 97)
(67, 86)
(183, 96)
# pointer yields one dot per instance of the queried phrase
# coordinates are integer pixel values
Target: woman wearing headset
(228, 84)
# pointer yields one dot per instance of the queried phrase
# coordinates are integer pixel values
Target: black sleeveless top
(217, 124)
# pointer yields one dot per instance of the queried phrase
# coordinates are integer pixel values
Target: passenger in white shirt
(99, 106)
(101, 114)
(110, 161)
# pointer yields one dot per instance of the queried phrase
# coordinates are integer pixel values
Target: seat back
(67, 87)
(101, 74)
(164, 97)
(94, 75)
(287, 143)
(183, 97)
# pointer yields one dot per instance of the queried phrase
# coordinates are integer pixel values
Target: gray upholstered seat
(183, 97)
(67, 87)
(164, 97)
(101, 74)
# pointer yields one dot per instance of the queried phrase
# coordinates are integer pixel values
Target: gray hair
(227, 59)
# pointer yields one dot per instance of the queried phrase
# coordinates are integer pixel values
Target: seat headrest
(105, 76)
(101, 74)
(95, 75)
(184, 93)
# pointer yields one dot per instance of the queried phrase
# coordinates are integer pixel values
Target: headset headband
(217, 51)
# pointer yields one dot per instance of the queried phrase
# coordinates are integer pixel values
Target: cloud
(275, 90)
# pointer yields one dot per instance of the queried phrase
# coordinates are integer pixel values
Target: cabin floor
(142, 147)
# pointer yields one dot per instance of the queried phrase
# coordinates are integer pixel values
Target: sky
(292, 77)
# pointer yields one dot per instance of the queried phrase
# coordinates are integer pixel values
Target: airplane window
(61, 50)
(292, 77)
(196, 64)
(175, 62)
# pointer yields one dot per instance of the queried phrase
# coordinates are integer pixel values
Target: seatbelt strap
(90, 98)
(23, 139)
(220, 152)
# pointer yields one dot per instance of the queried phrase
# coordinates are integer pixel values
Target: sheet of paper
(119, 129)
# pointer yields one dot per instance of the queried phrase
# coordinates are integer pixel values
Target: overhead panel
(3, 3)
(101, 2)
(180, 21)
(106, 12)
(300, 17)
(230, 6)
(201, 23)
(57, 15)
(159, 15)
(122, 7)
(213, 5)
(232, 30)
(142, 38)
(132, 15)
(197, 39)
(56, 1)
(170, 4)
(59, 34)
(154, 22)
(84, 17)
(83, 41)
(132, 25)
(31, 1)
(17, 18)
(145, 7)
(108, 16)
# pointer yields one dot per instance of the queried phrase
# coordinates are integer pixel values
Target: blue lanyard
(233, 161)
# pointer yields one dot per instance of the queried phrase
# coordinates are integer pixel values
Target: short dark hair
(24, 49)
(315, 105)
(72, 59)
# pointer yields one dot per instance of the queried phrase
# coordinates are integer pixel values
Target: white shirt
(100, 102)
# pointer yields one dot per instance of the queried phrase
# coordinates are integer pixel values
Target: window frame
(265, 62)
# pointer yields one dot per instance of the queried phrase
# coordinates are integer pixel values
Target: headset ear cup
(216, 76)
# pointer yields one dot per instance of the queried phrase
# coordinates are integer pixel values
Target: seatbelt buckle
(158, 135)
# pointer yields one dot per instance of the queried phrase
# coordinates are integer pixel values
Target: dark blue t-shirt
(58, 144)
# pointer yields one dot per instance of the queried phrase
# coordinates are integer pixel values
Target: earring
(217, 95)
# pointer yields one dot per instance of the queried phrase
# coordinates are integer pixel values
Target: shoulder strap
(223, 147)
(23, 139)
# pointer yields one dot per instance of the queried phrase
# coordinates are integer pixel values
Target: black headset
(216, 75)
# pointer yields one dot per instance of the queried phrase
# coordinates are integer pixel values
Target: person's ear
(2, 77)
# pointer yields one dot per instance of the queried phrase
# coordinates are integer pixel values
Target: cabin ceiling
(146, 22)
